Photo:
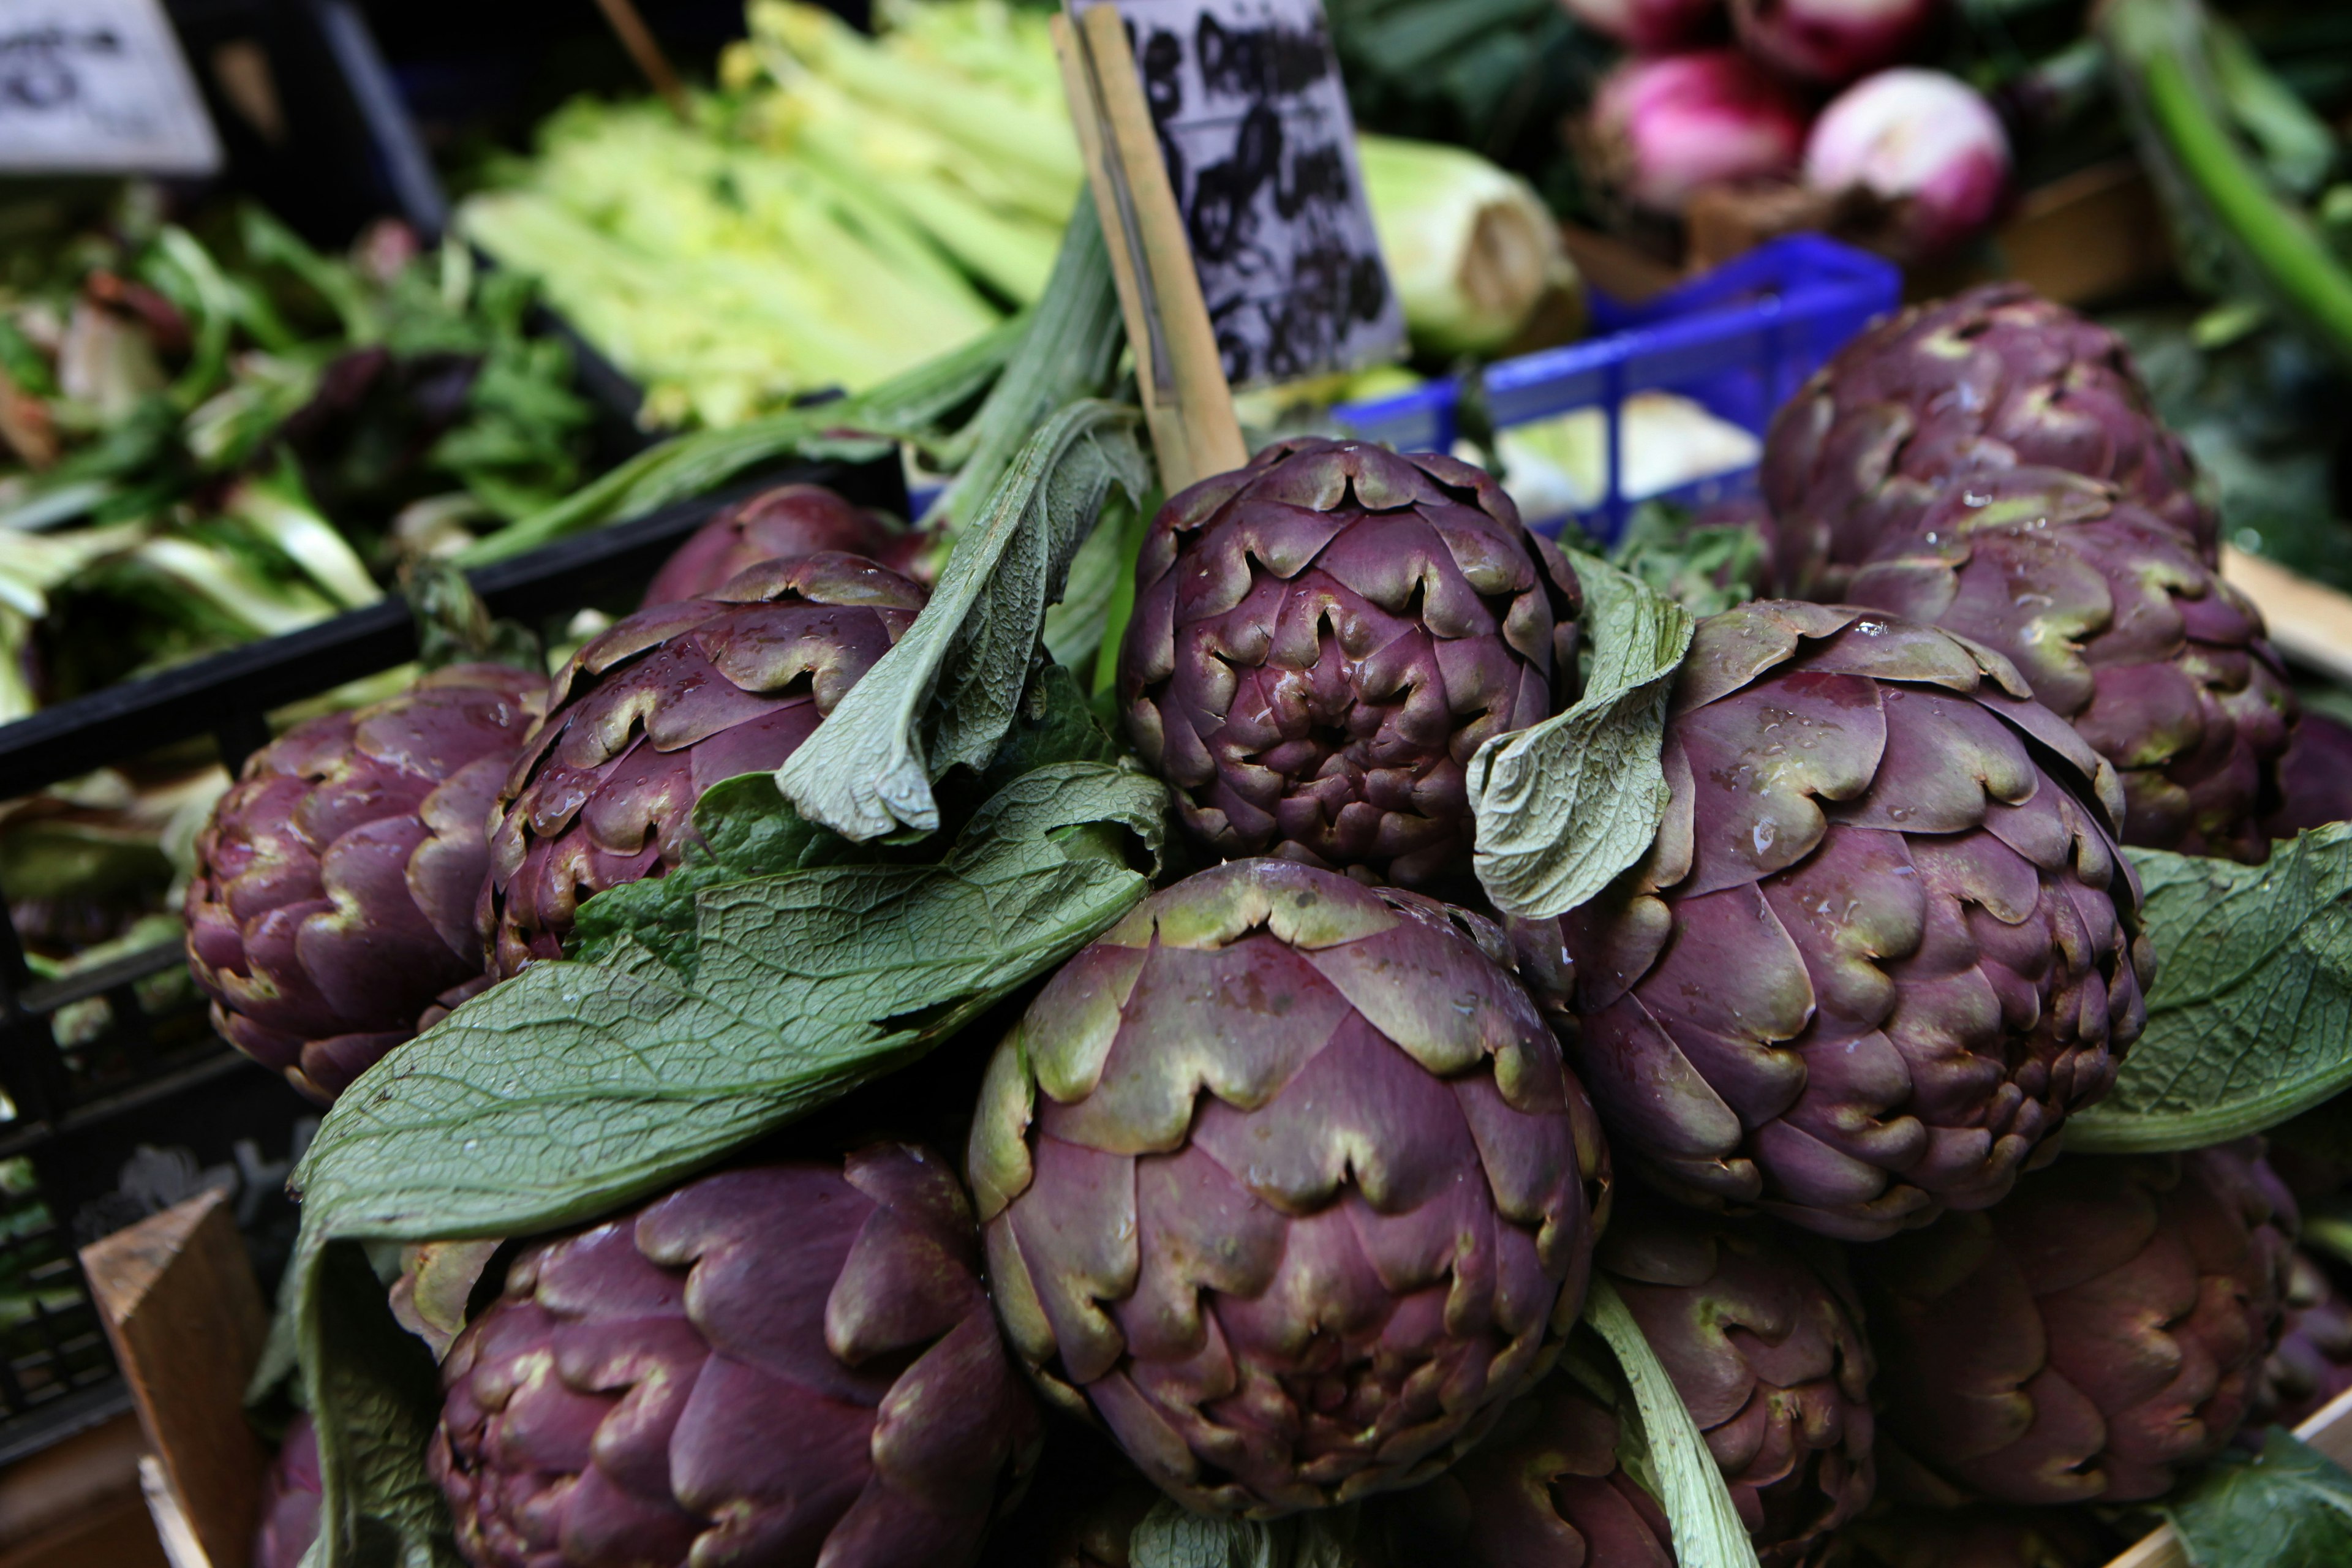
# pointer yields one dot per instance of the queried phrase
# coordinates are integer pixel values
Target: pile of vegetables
(1481, 1063)
(846, 207)
(1818, 94)
(211, 439)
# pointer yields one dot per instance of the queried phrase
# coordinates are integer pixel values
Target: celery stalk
(2216, 187)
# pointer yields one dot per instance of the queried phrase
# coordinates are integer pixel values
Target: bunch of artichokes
(1295, 1184)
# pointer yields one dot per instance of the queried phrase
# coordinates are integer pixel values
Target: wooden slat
(2329, 1431)
(2309, 622)
(186, 1316)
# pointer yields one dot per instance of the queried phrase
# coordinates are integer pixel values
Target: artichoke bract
(1884, 943)
(335, 888)
(2091, 1338)
(289, 1499)
(1285, 1177)
(1991, 379)
(782, 1363)
(2312, 1362)
(650, 714)
(2315, 777)
(2122, 631)
(1322, 639)
(1763, 1340)
(777, 525)
(1978, 1537)
(1545, 1489)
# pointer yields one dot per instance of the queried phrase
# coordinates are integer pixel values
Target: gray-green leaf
(2291, 1507)
(1698, 1505)
(1172, 1537)
(946, 693)
(2249, 1021)
(1564, 806)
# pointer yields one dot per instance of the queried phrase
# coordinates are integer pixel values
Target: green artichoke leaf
(1173, 1536)
(1564, 806)
(947, 693)
(1690, 1484)
(578, 1087)
(2288, 1507)
(2250, 1020)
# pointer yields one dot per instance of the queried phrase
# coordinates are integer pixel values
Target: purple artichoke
(784, 1363)
(1321, 640)
(1761, 1337)
(1543, 1490)
(2091, 1337)
(289, 1499)
(1883, 943)
(650, 714)
(334, 890)
(1988, 380)
(2122, 631)
(1283, 1175)
(2315, 777)
(2313, 1361)
(777, 525)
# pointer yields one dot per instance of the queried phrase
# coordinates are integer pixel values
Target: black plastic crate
(120, 1097)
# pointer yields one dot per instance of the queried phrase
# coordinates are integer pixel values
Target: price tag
(1253, 123)
(99, 87)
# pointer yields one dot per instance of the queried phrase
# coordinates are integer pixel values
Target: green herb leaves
(2249, 1021)
(1564, 806)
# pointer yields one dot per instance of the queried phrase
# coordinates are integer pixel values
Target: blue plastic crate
(1739, 342)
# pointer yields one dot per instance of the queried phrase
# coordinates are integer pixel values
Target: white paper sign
(1254, 124)
(99, 87)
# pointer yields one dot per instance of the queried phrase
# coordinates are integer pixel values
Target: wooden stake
(638, 39)
(1186, 400)
(180, 1303)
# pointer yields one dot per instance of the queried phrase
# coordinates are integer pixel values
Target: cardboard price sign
(99, 87)
(1252, 123)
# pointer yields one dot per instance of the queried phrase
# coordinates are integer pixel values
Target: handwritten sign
(1253, 121)
(99, 87)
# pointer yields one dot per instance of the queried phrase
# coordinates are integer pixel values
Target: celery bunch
(842, 210)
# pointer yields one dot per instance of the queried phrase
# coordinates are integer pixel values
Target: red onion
(1663, 127)
(1832, 41)
(1926, 143)
(1650, 25)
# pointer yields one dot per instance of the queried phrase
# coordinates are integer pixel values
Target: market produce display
(1299, 1022)
(212, 440)
(333, 898)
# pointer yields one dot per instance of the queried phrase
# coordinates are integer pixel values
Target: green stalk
(908, 407)
(2160, 49)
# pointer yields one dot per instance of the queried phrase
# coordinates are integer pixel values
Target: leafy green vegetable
(2250, 1020)
(1564, 806)
(945, 694)
(2289, 1507)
